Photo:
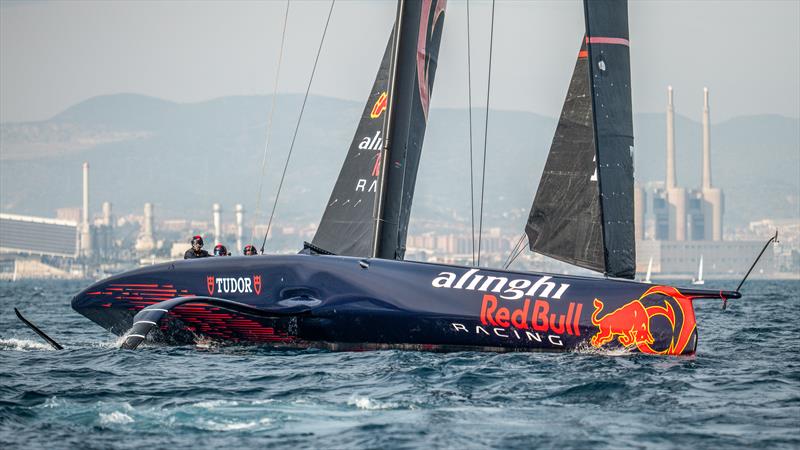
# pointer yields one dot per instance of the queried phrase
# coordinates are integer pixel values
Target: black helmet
(198, 239)
(220, 250)
(249, 250)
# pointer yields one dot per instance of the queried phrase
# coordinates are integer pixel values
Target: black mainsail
(354, 224)
(347, 225)
(583, 210)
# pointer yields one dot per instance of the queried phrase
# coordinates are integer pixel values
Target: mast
(420, 24)
(378, 212)
(368, 211)
(610, 74)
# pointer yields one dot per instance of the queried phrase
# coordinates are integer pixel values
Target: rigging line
(471, 166)
(297, 127)
(513, 250)
(514, 258)
(486, 133)
(519, 252)
(269, 122)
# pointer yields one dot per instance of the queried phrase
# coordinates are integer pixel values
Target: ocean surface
(741, 389)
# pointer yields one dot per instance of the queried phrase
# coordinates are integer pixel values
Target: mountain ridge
(183, 156)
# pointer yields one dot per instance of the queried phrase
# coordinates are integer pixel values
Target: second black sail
(583, 210)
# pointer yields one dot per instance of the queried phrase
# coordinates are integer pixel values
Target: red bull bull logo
(632, 323)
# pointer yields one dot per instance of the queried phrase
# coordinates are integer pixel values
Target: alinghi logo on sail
(371, 143)
(510, 289)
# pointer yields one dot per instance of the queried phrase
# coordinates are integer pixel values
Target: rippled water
(741, 389)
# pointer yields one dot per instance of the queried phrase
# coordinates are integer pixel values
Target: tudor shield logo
(210, 284)
(234, 285)
(257, 284)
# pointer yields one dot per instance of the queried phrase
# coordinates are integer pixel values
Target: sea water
(742, 388)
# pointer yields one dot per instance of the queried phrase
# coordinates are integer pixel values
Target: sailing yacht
(699, 280)
(649, 272)
(350, 289)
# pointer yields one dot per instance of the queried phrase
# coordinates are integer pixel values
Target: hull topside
(357, 304)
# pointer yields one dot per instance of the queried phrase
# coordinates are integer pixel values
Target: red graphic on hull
(535, 316)
(202, 319)
(631, 324)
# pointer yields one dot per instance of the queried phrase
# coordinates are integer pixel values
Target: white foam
(369, 404)
(53, 402)
(236, 426)
(115, 417)
(587, 349)
(23, 345)
(211, 404)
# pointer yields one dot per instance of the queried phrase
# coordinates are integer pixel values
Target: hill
(183, 157)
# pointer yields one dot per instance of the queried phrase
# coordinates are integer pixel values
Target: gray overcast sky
(54, 54)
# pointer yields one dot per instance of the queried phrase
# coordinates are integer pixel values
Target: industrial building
(684, 225)
(41, 247)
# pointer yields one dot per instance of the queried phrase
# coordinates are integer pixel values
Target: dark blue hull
(345, 303)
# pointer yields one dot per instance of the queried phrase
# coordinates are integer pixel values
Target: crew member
(250, 250)
(221, 250)
(197, 249)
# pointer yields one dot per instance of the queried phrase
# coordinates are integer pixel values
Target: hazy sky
(54, 54)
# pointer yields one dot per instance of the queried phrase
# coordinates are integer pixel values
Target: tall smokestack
(639, 198)
(146, 242)
(148, 220)
(676, 196)
(85, 193)
(86, 229)
(670, 181)
(107, 214)
(217, 223)
(239, 226)
(712, 197)
(105, 240)
(706, 142)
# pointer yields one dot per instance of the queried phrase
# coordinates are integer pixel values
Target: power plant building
(684, 226)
